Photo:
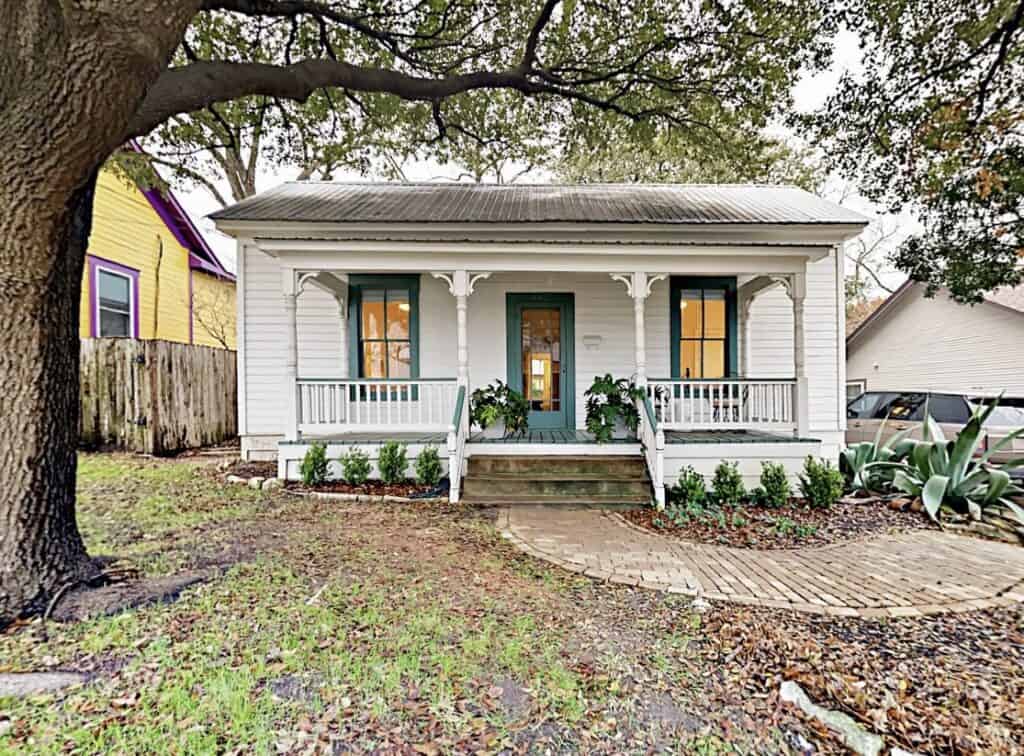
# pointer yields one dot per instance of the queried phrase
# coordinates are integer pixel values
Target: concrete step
(557, 465)
(574, 486)
(605, 501)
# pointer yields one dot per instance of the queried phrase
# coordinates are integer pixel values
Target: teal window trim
(356, 285)
(728, 283)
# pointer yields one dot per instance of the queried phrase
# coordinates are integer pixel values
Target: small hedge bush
(820, 483)
(728, 484)
(689, 489)
(393, 462)
(774, 491)
(428, 466)
(355, 467)
(314, 465)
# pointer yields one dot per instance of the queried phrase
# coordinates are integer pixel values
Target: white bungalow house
(369, 312)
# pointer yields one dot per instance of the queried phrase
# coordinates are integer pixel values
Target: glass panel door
(540, 356)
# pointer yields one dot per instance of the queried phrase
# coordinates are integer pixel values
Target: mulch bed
(405, 489)
(788, 527)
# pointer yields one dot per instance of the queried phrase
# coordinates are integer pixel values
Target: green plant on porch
(820, 484)
(727, 484)
(857, 461)
(428, 466)
(499, 402)
(314, 465)
(355, 466)
(392, 462)
(947, 474)
(610, 400)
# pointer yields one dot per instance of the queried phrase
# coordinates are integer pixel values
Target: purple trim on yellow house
(95, 265)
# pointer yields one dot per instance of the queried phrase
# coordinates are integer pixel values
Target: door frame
(566, 303)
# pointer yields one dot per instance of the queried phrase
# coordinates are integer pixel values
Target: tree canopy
(935, 123)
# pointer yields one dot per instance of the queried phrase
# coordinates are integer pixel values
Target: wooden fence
(156, 397)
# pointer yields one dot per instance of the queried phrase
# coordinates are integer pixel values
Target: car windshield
(865, 405)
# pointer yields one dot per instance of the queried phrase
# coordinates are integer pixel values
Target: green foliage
(820, 484)
(608, 401)
(857, 462)
(931, 122)
(355, 466)
(428, 466)
(727, 484)
(689, 489)
(774, 490)
(498, 402)
(786, 526)
(948, 474)
(393, 462)
(314, 465)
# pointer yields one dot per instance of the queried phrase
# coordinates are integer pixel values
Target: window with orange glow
(703, 333)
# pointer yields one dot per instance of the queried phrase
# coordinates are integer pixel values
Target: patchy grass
(369, 628)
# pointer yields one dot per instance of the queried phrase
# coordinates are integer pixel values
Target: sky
(809, 94)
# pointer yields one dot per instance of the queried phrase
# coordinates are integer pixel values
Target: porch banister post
(798, 293)
(291, 360)
(343, 322)
(460, 280)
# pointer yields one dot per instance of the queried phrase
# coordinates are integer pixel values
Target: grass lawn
(328, 627)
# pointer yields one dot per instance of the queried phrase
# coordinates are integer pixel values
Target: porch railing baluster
(742, 403)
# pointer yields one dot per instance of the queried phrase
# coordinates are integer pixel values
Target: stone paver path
(899, 575)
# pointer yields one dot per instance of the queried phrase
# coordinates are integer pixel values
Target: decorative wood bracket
(460, 282)
(638, 285)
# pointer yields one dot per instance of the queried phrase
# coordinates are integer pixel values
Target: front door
(540, 356)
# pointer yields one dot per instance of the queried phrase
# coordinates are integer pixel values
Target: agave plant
(855, 459)
(948, 473)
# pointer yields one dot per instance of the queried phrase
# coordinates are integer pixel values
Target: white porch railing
(329, 405)
(652, 438)
(458, 433)
(734, 403)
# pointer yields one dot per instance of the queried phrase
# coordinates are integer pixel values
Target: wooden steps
(608, 480)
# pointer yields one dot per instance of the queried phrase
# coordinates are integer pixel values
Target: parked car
(905, 410)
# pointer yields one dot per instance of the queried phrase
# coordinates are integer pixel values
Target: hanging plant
(499, 402)
(609, 401)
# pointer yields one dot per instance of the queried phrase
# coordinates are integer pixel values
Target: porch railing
(734, 403)
(652, 438)
(458, 432)
(327, 405)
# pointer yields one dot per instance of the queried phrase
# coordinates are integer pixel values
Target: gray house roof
(328, 202)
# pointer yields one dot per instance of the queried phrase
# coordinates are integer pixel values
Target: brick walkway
(899, 575)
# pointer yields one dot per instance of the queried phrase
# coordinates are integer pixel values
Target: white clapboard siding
(941, 345)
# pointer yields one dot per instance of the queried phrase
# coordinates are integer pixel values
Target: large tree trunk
(40, 547)
(72, 77)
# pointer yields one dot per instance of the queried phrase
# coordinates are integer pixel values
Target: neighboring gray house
(369, 312)
(912, 342)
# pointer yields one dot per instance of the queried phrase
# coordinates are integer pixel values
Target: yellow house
(149, 273)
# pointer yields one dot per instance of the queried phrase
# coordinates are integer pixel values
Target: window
(855, 389)
(949, 408)
(865, 405)
(384, 327)
(703, 327)
(908, 406)
(114, 292)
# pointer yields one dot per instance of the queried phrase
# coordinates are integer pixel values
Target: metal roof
(330, 202)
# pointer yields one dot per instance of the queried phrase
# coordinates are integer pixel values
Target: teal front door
(540, 356)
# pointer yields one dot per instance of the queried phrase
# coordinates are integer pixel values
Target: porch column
(461, 284)
(289, 287)
(638, 286)
(343, 322)
(798, 292)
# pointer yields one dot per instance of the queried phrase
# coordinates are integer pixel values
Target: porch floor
(560, 437)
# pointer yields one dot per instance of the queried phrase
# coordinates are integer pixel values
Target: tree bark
(40, 546)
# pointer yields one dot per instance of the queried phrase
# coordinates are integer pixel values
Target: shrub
(428, 466)
(355, 467)
(393, 462)
(728, 484)
(314, 465)
(608, 400)
(820, 483)
(689, 489)
(499, 402)
(774, 491)
(859, 462)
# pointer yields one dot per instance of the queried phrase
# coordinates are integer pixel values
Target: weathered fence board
(156, 397)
